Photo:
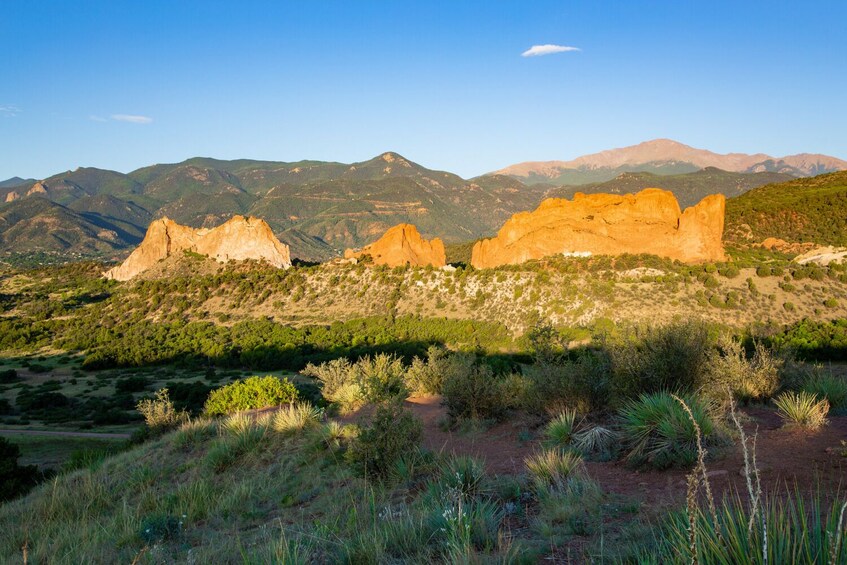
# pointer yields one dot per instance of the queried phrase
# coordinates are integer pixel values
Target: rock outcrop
(403, 245)
(608, 224)
(239, 239)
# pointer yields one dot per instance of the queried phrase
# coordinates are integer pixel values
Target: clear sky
(122, 84)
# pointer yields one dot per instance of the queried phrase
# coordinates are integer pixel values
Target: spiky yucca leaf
(802, 409)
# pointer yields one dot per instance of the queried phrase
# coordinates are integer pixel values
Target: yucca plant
(554, 469)
(465, 474)
(802, 409)
(657, 431)
(595, 440)
(559, 432)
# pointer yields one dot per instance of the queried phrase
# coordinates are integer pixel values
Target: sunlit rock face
(609, 224)
(238, 239)
(403, 245)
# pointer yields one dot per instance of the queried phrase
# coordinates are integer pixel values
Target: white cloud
(131, 118)
(549, 49)
(9, 110)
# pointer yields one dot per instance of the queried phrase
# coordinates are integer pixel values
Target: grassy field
(51, 452)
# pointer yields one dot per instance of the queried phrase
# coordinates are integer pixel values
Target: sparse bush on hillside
(656, 430)
(393, 433)
(251, 393)
(159, 413)
(370, 379)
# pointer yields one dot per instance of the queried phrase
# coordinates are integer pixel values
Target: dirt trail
(785, 457)
(94, 435)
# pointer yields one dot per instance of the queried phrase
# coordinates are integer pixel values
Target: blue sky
(123, 84)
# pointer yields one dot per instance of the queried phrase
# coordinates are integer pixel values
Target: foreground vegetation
(269, 435)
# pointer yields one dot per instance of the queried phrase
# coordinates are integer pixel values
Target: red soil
(784, 456)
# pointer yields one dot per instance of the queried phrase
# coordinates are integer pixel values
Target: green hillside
(38, 225)
(808, 209)
(589, 175)
(689, 188)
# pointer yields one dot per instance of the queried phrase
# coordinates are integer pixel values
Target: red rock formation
(403, 245)
(609, 224)
(239, 238)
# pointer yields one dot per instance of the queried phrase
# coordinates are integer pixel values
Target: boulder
(403, 245)
(238, 239)
(609, 224)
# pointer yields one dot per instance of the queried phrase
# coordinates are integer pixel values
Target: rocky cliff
(607, 224)
(403, 245)
(239, 238)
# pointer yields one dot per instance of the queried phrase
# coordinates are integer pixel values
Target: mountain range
(320, 208)
(665, 156)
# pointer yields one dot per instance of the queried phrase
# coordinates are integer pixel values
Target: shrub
(802, 409)
(135, 383)
(649, 359)
(251, 393)
(381, 378)
(474, 393)
(159, 413)
(753, 378)
(336, 378)
(830, 303)
(393, 433)
(8, 376)
(427, 376)
(370, 379)
(656, 430)
(830, 387)
(580, 383)
(15, 480)
(555, 470)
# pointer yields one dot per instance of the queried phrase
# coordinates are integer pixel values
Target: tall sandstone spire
(239, 239)
(608, 224)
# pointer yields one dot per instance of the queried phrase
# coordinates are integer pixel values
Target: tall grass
(796, 530)
(831, 387)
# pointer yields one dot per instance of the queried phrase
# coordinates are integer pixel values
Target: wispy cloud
(97, 119)
(9, 110)
(131, 118)
(549, 49)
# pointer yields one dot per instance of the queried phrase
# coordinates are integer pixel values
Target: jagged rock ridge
(403, 245)
(239, 239)
(609, 224)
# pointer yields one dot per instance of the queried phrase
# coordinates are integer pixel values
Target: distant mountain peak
(667, 156)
